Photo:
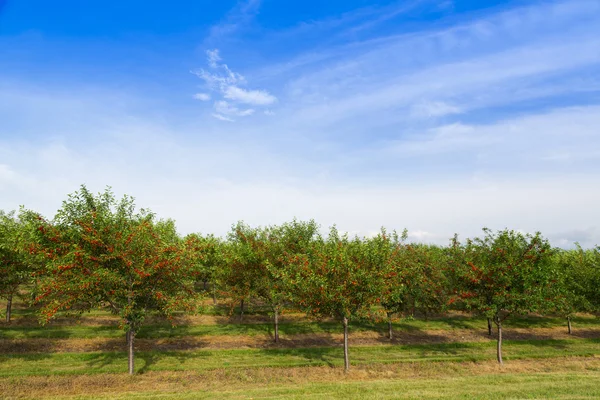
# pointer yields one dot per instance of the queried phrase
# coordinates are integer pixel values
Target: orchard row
(100, 252)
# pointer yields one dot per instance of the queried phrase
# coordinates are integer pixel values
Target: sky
(438, 116)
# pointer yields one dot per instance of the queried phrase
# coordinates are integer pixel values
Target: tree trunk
(346, 360)
(241, 310)
(489, 326)
(214, 295)
(130, 338)
(9, 308)
(390, 332)
(204, 285)
(276, 325)
(569, 324)
(499, 347)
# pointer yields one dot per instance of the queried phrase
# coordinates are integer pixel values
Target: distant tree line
(102, 252)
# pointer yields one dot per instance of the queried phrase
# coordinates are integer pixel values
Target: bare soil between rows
(43, 345)
(111, 320)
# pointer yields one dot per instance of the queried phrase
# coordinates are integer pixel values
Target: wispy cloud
(254, 97)
(434, 109)
(225, 83)
(225, 108)
(235, 20)
(213, 58)
(221, 117)
(202, 96)
(522, 56)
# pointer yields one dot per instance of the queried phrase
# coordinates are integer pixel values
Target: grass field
(215, 356)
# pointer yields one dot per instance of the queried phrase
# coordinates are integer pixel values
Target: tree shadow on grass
(462, 322)
(314, 356)
(149, 359)
(58, 332)
(540, 343)
(144, 360)
(98, 362)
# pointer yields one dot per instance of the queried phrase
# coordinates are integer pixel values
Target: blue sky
(438, 116)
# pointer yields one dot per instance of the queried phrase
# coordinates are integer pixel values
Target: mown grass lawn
(574, 378)
(269, 373)
(517, 386)
(166, 330)
(115, 362)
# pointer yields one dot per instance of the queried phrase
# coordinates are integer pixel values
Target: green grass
(572, 384)
(21, 309)
(165, 330)
(115, 362)
(509, 386)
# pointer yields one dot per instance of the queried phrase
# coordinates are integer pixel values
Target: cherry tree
(207, 255)
(15, 265)
(101, 252)
(415, 282)
(502, 274)
(340, 277)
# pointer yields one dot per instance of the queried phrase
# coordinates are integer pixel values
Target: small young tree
(244, 264)
(14, 267)
(569, 289)
(586, 277)
(102, 252)
(260, 254)
(503, 274)
(416, 282)
(206, 254)
(454, 273)
(279, 244)
(340, 277)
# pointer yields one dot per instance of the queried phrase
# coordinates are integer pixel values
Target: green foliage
(15, 266)
(416, 281)
(102, 252)
(246, 262)
(504, 273)
(581, 271)
(569, 294)
(206, 255)
(258, 257)
(280, 243)
(340, 277)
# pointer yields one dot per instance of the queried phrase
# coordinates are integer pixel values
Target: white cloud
(225, 108)
(213, 58)
(222, 117)
(584, 237)
(235, 20)
(202, 96)
(225, 83)
(254, 97)
(431, 109)
(7, 175)
(498, 60)
(491, 80)
(219, 81)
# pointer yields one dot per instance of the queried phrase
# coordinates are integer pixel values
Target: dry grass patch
(111, 320)
(225, 379)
